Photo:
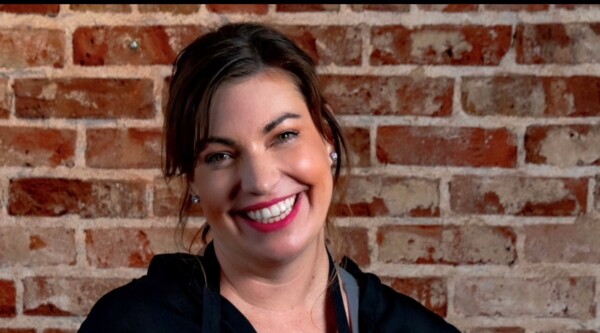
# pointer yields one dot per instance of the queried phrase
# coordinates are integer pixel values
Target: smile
(274, 213)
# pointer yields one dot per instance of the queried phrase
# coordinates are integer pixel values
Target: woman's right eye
(217, 158)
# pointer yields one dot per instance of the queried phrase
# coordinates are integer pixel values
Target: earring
(195, 199)
(334, 156)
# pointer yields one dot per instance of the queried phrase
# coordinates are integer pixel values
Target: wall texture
(475, 130)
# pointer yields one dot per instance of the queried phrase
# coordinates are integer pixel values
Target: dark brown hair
(235, 51)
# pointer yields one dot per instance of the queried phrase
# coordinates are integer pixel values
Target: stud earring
(334, 156)
(195, 199)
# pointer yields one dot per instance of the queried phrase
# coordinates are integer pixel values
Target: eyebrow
(268, 128)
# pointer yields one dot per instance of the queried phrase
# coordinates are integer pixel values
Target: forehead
(255, 100)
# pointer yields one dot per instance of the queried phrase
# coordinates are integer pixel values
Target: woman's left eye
(286, 136)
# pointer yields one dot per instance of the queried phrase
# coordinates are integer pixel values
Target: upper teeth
(273, 213)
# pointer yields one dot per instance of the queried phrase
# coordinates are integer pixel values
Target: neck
(275, 286)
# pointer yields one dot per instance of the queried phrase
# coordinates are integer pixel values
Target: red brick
(64, 296)
(452, 8)
(576, 6)
(544, 297)
(167, 198)
(359, 144)
(59, 330)
(530, 96)
(381, 8)
(165, 94)
(569, 331)
(467, 245)
(355, 244)
(518, 8)
(597, 194)
(523, 196)
(447, 146)
(37, 246)
(309, 7)
(88, 199)
(29, 146)
(123, 148)
(5, 99)
(50, 10)
(158, 45)
(497, 330)
(17, 330)
(260, 9)
(404, 95)
(128, 247)
(114, 8)
(84, 98)
(8, 299)
(339, 45)
(429, 291)
(557, 43)
(30, 47)
(563, 146)
(390, 196)
(570, 243)
(173, 9)
(440, 45)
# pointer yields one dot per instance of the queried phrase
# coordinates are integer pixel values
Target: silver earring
(334, 156)
(195, 199)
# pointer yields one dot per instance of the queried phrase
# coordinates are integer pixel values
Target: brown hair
(234, 51)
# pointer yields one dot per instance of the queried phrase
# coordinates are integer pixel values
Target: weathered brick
(570, 243)
(451, 8)
(174, 9)
(569, 331)
(563, 146)
(558, 43)
(359, 144)
(518, 8)
(450, 245)
(30, 146)
(440, 45)
(260, 9)
(29, 47)
(84, 98)
(88, 199)
(524, 196)
(497, 330)
(548, 297)
(339, 45)
(530, 96)
(429, 291)
(390, 196)
(355, 244)
(128, 247)
(5, 98)
(576, 6)
(17, 330)
(447, 146)
(404, 95)
(50, 10)
(308, 7)
(158, 45)
(37, 246)
(381, 8)
(113, 8)
(123, 148)
(167, 198)
(64, 296)
(8, 299)
(59, 330)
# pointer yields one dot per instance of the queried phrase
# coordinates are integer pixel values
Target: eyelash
(281, 138)
(217, 157)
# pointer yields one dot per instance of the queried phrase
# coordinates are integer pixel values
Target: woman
(248, 128)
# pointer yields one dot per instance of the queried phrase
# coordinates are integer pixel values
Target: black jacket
(170, 299)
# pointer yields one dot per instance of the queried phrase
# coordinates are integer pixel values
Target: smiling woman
(248, 128)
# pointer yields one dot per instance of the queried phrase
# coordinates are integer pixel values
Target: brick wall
(475, 131)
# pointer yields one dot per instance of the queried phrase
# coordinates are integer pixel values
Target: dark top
(170, 298)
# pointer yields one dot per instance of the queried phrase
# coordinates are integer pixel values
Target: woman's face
(264, 178)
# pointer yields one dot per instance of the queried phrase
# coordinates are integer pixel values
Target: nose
(259, 174)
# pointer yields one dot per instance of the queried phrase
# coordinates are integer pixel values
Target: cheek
(314, 167)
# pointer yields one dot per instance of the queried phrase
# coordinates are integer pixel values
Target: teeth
(273, 213)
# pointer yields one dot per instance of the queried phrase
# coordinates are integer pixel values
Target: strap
(338, 301)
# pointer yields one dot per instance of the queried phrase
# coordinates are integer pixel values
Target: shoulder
(382, 309)
(168, 296)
